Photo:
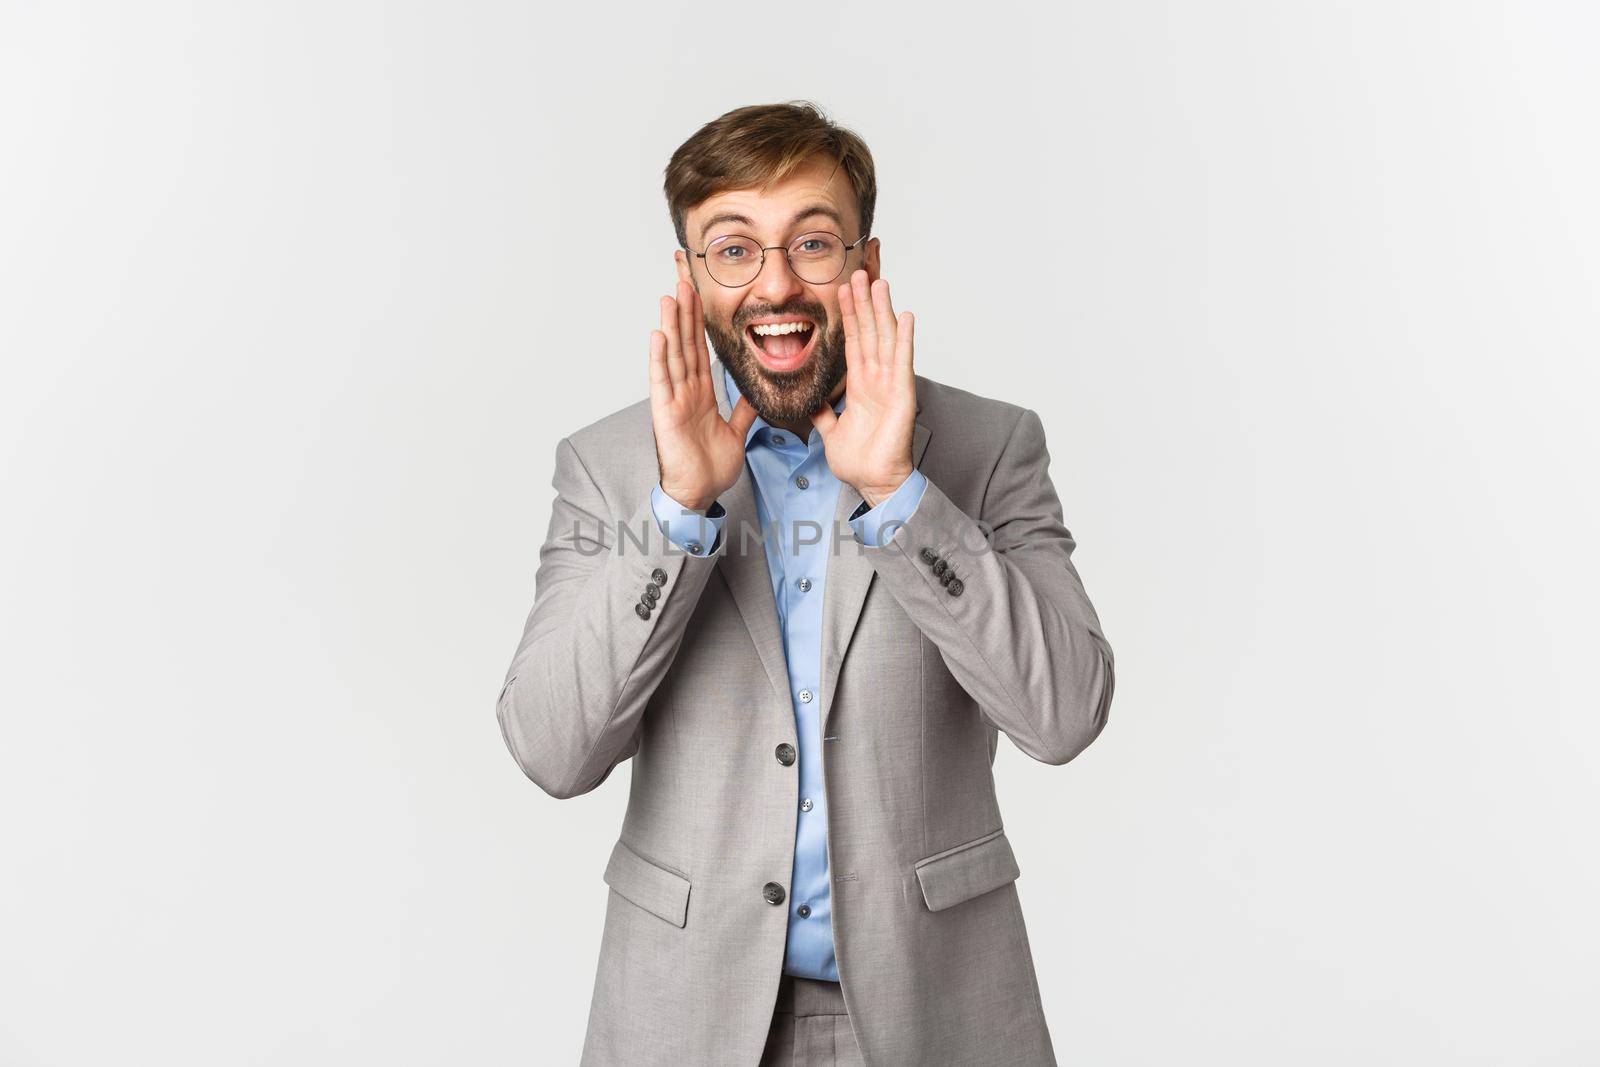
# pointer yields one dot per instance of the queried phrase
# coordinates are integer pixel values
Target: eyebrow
(804, 213)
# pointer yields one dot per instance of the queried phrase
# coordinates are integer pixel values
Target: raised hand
(869, 446)
(699, 453)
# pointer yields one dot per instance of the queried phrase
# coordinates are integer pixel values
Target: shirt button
(693, 547)
(805, 805)
(773, 892)
(802, 482)
(804, 585)
(805, 696)
(777, 439)
(804, 911)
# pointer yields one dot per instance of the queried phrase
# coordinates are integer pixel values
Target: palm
(700, 453)
(691, 434)
(869, 445)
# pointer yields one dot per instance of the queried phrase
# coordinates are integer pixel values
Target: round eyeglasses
(816, 258)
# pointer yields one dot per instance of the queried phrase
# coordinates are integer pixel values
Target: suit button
(947, 577)
(652, 590)
(658, 576)
(773, 892)
(940, 566)
(650, 596)
(642, 610)
(928, 556)
(955, 587)
(804, 911)
(785, 753)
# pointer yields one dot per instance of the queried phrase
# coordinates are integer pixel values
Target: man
(804, 589)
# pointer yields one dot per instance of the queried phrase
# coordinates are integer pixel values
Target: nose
(776, 283)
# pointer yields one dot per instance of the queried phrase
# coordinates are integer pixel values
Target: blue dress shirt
(796, 496)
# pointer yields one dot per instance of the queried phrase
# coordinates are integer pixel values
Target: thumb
(823, 419)
(742, 417)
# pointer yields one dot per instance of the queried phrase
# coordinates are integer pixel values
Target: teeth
(780, 328)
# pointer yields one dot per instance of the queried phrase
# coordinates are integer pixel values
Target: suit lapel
(850, 574)
(744, 568)
(743, 565)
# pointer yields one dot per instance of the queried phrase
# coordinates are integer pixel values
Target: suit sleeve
(594, 648)
(1003, 602)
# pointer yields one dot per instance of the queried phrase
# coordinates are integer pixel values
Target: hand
(869, 446)
(699, 454)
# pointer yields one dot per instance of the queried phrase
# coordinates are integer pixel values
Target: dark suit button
(947, 577)
(658, 576)
(652, 590)
(785, 753)
(642, 610)
(928, 555)
(650, 595)
(955, 587)
(773, 892)
(940, 566)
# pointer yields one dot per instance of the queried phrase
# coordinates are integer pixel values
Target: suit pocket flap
(649, 885)
(963, 872)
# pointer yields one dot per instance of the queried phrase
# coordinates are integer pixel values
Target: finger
(852, 331)
(742, 417)
(883, 320)
(904, 341)
(686, 328)
(669, 326)
(861, 294)
(823, 419)
(660, 381)
(702, 355)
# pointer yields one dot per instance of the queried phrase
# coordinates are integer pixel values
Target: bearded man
(805, 589)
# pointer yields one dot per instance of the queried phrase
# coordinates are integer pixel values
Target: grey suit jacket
(933, 954)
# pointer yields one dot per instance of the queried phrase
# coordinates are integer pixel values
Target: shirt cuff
(696, 534)
(878, 525)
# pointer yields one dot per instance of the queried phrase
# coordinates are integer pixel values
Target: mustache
(815, 314)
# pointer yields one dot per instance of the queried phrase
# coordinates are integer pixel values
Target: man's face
(785, 378)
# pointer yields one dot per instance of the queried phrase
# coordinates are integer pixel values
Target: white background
(297, 299)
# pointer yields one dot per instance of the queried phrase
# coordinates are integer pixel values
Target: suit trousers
(810, 1027)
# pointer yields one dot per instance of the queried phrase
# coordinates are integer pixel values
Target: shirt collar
(733, 398)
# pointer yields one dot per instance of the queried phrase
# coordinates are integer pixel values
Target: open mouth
(783, 346)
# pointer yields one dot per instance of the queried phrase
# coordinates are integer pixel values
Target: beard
(789, 396)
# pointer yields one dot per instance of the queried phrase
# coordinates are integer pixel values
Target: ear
(870, 260)
(681, 258)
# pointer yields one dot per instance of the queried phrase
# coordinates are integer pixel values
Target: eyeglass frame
(762, 265)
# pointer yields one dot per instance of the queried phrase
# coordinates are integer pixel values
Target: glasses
(816, 258)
